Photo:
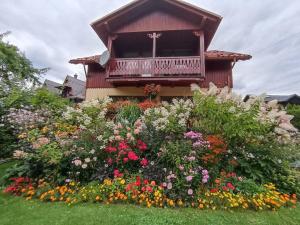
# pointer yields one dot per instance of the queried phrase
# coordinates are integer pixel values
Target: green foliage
(15, 68)
(128, 114)
(249, 187)
(295, 111)
(237, 125)
(42, 98)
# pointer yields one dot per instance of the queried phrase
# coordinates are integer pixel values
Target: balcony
(159, 69)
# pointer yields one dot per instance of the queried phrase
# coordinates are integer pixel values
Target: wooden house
(161, 42)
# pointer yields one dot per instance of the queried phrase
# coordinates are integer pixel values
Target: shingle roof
(77, 87)
(209, 55)
(280, 98)
(52, 86)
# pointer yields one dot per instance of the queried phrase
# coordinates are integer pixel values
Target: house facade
(163, 42)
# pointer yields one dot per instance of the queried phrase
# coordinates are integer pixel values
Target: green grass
(16, 210)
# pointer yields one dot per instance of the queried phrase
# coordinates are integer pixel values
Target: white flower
(92, 151)
(87, 160)
(195, 87)
(84, 166)
(95, 158)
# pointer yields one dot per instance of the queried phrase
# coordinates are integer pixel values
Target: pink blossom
(189, 178)
(132, 156)
(190, 192)
(144, 162)
(169, 186)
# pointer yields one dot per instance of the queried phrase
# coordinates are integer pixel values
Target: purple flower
(190, 192)
(192, 135)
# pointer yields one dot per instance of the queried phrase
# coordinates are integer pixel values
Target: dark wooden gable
(157, 15)
(157, 20)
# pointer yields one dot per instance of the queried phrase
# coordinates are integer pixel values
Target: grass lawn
(16, 210)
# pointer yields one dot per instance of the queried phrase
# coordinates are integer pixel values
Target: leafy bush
(295, 111)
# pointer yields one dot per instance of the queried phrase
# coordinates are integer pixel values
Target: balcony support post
(154, 36)
(200, 35)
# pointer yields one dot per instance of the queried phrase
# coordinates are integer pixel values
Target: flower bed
(212, 152)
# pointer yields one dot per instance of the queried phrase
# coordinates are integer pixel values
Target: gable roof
(52, 86)
(209, 55)
(77, 86)
(281, 98)
(108, 23)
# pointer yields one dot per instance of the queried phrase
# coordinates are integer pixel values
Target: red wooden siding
(96, 77)
(219, 73)
(157, 21)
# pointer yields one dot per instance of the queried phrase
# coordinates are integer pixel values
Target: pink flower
(169, 186)
(129, 135)
(136, 131)
(116, 132)
(117, 173)
(118, 138)
(144, 162)
(123, 145)
(181, 167)
(109, 161)
(125, 160)
(190, 192)
(132, 156)
(189, 178)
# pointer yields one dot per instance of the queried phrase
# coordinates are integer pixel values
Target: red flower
(138, 181)
(153, 183)
(225, 188)
(132, 156)
(214, 190)
(144, 162)
(146, 182)
(117, 173)
(230, 186)
(141, 145)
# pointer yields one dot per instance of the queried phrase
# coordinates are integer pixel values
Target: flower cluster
(169, 116)
(197, 139)
(152, 90)
(147, 193)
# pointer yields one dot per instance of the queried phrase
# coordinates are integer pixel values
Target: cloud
(53, 32)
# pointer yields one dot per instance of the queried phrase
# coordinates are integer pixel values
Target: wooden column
(200, 35)
(154, 36)
(110, 40)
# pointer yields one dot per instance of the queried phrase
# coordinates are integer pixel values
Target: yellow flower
(122, 181)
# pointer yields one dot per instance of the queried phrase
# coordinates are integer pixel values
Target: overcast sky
(51, 32)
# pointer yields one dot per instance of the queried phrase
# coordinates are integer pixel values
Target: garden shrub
(214, 151)
(295, 111)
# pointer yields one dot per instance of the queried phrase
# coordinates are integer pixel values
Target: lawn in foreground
(17, 211)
